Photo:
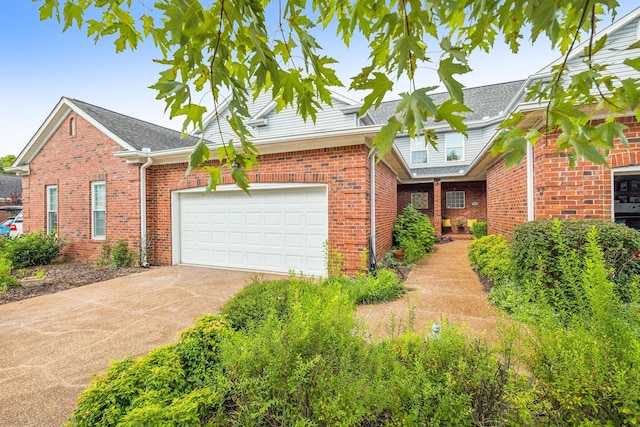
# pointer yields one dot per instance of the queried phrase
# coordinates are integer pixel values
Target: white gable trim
(99, 126)
(51, 124)
(577, 51)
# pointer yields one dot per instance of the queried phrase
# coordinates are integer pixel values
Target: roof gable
(129, 133)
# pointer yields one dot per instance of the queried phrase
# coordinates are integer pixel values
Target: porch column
(437, 206)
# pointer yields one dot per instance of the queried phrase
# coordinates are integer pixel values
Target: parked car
(15, 228)
(5, 226)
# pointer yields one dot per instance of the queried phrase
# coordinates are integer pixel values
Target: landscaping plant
(536, 247)
(6, 279)
(414, 234)
(479, 229)
(32, 249)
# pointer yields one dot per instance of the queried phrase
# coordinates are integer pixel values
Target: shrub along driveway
(51, 345)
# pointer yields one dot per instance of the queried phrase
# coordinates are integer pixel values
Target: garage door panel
(273, 230)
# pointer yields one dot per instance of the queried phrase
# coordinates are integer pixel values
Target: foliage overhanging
(221, 47)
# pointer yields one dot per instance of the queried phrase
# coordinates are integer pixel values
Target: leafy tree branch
(223, 48)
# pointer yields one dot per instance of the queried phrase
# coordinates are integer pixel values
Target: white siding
(477, 139)
(614, 53)
(284, 123)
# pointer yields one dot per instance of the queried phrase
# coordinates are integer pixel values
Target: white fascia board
(265, 110)
(344, 99)
(222, 107)
(264, 143)
(44, 132)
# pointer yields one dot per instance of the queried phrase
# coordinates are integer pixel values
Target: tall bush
(479, 229)
(32, 249)
(585, 363)
(536, 247)
(414, 233)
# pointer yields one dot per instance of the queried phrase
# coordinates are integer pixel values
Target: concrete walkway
(442, 286)
(50, 346)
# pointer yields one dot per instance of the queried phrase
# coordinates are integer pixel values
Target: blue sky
(39, 64)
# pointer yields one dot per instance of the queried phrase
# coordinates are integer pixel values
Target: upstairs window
(52, 209)
(98, 210)
(418, 151)
(454, 147)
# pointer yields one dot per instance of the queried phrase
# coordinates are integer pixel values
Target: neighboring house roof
(484, 101)
(137, 133)
(10, 185)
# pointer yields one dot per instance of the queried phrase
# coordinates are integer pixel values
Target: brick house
(96, 175)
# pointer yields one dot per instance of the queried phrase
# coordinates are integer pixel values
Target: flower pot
(398, 254)
(32, 282)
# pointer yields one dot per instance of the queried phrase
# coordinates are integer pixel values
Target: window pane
(454, 146)
(98, 197)
(52, 221)
(99, 224)
(52, 199)
(419, 156)
(455, 199)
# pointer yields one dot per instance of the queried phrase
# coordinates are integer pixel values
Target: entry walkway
(441, 287)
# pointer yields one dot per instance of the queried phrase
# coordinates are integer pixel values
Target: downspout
(531, 213)
(372, 240)
(143, 207)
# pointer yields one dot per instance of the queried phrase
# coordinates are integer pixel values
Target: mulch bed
(63, 276)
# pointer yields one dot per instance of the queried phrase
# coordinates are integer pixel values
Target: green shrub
(175, 385)
(121, 255)
(414, 233)
(6, 279)
(489, 256)
(479, 229)
(586, 364)
(256, 302)
(32, 249)
(370, 289)
(535, 250)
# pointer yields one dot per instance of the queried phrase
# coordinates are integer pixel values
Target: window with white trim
(454, 147)
(455, 199)
(418, 150)
(98, 210)
(52, 208)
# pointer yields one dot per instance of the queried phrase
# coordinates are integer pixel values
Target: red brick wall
(560, 192)
(386, 208)
(345, 170)
(72, 163)
(506, 197)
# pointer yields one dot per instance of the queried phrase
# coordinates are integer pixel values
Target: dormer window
(418, 150)
(454, 147)
(72, 126)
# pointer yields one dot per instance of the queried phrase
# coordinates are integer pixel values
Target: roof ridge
(123, 115)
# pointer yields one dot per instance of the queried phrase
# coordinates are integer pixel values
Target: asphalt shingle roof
(10, 185)
(137, 133)
(485, 101)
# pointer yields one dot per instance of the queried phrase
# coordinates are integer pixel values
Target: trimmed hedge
(489, 256)
(535, 250)
(479, 229)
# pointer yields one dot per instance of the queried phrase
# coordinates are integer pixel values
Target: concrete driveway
(51, 345)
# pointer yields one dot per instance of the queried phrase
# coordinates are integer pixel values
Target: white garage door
(275, 229)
